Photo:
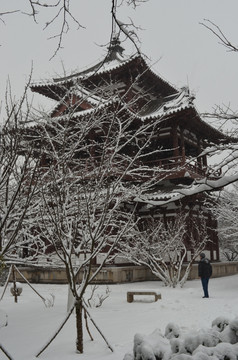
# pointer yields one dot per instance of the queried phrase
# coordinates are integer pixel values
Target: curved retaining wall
(122, 274)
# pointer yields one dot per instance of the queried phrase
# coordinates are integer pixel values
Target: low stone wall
(122, 274)
(219, 269)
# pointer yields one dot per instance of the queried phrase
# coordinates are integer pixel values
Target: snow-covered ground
(31, 324)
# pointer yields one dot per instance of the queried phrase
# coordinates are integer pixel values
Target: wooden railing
(191, 165)
(172, 165)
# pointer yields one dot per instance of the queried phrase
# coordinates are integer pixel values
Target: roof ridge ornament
(114, 48)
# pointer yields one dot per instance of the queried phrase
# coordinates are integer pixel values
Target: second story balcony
(136, 170)
(179, 166)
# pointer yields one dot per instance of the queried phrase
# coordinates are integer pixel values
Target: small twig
(6, 353)
(216, 30)
(91, 296)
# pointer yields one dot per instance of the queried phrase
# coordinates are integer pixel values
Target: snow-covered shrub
(151, 347)
(203, 352)
(128, 356)
(209, 337)
(222, 351)
(172, 331)
(202, 356)
(176, 345)
(142, 349)
(182, 357)
(230, 333)
(220, 342)
(160, 345)
(190, 343)
(98, 295)
(225, 351)
(220, 323)
(146, 352)
(138, 339)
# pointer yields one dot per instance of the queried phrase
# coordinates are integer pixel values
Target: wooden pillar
(182, 146)
(175, 140)
(204, 157)
(199, 158)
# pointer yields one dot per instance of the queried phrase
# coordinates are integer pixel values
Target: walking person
(204, 272)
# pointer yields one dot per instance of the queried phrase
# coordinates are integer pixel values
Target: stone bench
(130, 294)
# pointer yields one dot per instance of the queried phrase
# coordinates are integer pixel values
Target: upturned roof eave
(81, 75)
(48, 88)
(201, 187)
(163, 116)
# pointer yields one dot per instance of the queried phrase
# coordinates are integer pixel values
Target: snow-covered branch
(220, 35)
(18, 177)
(226, 213)
(162, 247)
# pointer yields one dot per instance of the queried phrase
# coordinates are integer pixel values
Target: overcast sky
(182, 50)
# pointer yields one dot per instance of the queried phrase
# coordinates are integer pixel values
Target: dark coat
(204, 268)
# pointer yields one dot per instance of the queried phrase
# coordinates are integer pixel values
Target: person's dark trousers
(205, 286)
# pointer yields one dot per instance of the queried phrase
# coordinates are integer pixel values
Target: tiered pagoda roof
(106, 82)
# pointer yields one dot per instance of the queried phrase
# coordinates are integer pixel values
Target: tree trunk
(79, 326)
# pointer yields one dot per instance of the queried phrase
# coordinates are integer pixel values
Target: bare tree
(220, 35)
(226, 212)
(162, 247)
(226, 118)
(18, 177)
(95, 165)
(62, 16)
(91, 172)
(225, 114)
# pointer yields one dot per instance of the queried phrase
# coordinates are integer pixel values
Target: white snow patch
(31, 324)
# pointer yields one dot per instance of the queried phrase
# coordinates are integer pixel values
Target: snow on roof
(163, 198)
(83, 93)
(99, 106)
(106, 66)
(179, 102)
(160, 198)
(172, 104)
(103, 66)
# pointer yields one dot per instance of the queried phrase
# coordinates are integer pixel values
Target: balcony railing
(169, 167)
(188, 164)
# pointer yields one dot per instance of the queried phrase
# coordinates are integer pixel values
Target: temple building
(128, 85)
